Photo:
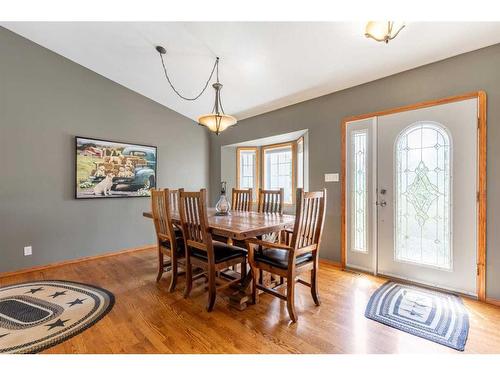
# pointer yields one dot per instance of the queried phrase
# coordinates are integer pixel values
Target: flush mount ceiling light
(216, 121)
(383, 31)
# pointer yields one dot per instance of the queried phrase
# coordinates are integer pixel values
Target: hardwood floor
(148, 319)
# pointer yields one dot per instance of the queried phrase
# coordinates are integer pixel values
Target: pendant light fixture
(216, 121)
(383, 31)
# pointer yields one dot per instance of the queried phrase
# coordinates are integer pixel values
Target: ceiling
(264, 65)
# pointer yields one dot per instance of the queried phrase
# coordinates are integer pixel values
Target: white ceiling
(264, 65)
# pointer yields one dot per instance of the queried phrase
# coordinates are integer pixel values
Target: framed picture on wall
(109, 169)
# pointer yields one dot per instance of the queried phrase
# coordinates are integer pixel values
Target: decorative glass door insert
(423, 196)
(359, 191)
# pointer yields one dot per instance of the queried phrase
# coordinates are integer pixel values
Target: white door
(360, 194)
(426, 171)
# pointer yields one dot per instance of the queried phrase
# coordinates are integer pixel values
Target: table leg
(240, 294)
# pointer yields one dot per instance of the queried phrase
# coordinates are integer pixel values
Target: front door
(426, 195)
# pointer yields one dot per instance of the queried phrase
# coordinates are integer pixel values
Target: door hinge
(477, 196)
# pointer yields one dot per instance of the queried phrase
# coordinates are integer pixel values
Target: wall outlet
(28, 251)
(331, 177)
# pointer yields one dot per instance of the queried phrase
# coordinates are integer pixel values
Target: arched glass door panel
(423, 195)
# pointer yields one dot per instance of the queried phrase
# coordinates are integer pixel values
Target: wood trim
(429, 103)
(256, 177)
(330, 263)
(77, 260)
(493, 301)
(481, 206)
(343, 202)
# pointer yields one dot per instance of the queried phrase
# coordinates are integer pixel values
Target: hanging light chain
(215, 68)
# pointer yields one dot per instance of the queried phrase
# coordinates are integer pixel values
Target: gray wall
(228, 168)
(478, 70)
(45, 100)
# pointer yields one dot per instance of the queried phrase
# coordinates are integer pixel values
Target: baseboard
(493, 301)
(77, 260)
(330, 262)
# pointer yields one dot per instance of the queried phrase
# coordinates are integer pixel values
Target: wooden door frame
(481, 176)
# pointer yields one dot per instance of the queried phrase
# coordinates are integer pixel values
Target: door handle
(382, 203)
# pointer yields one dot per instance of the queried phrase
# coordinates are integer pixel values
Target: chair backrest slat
(241, 200)
(161, 209)
(174, 200)
(309, 219)
(194, 219)
(271, 201)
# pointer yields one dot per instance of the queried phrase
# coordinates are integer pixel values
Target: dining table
(240, 225)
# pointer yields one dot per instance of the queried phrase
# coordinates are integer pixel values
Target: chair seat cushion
(222, 252)
(180, 245)
(279, 258)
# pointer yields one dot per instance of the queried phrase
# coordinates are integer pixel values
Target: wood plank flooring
(148, 319)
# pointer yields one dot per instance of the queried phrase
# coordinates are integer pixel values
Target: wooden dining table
(241, 225)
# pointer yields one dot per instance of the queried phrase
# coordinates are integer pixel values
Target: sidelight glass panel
(359, 192)
(423, 196)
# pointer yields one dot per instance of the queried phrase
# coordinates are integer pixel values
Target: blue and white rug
(432, 315)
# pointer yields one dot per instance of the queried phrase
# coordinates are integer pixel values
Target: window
(359, 189)
(423, 195)
(272, 167)
(279, 164)
(247, 175)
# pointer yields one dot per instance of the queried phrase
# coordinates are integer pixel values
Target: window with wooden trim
(247, 168)
(276, 166)
(279, 169)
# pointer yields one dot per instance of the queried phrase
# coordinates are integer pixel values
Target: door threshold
(437, 288)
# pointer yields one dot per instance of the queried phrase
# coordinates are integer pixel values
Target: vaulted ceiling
(264, 65)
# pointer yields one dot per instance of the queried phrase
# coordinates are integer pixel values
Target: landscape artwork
(107, 169)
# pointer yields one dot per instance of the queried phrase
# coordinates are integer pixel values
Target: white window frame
(256, 168)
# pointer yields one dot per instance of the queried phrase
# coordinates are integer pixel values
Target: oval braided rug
(39, 314)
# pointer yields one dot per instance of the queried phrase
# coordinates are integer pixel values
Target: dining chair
(241, 200)
(271, 201)
(201, 250)
(174, 207)
(290, 261)
(169, 237)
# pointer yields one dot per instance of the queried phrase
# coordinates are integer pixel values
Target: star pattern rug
(39, 314)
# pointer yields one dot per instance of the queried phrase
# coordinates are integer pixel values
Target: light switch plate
(28, 251)
(331, 177)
